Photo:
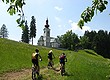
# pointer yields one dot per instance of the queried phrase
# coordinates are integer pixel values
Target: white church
(46, 40)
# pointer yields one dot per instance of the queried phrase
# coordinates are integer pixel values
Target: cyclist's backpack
(33, 55)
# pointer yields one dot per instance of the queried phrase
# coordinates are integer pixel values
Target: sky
(63, 15)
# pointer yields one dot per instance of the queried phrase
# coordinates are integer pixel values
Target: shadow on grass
(65, 74)
(90, 52)
(40, 77)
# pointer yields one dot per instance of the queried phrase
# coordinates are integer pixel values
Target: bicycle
(34, 72)
(50, 64)
(62, 69)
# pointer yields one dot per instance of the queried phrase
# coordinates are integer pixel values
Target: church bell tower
(47, 34)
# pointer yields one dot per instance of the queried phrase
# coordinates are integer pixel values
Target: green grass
(16, 55)
(81, 65)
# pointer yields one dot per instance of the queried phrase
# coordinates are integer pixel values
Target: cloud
(58, 8)
(57, 19)
(75, 28)
(59, 26)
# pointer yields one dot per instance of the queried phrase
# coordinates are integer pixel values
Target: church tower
(47, 34)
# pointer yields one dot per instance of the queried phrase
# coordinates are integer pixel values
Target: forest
(97, 41)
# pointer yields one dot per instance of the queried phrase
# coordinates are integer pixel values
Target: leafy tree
(68, 40)
(102, 41)
(90, 36)
(33, 28)
(84, 42)
(87, 15)
(25, 35)
(98, 42)
(16, 6)
(4, 31)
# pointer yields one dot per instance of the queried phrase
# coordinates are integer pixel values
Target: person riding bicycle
(35, 59)
(63, 59)
(50, 58)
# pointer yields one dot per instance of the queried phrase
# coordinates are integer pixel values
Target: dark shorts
(50, 58)
(35, 62)
(62, 62)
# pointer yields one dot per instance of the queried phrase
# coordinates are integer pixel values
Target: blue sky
(63, 15)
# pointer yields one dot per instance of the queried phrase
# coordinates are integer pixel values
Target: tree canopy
(33, 28)
(97, 41)
(16, 7)
(87, 15)
(68, 40)
(25, 34)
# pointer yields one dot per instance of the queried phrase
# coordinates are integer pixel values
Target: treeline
(28, 32)
(97, 41)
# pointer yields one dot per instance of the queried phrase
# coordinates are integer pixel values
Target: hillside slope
(17, 55)
(81, 65)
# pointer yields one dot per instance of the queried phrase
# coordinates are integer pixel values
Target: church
(46, 40)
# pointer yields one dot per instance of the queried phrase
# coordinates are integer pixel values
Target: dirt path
(24, 74)
(16, 75)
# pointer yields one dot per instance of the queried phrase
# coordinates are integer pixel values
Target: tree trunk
(3, 35)
(32, 40)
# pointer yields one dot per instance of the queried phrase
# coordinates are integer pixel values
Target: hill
(81, 65)
(17, 55)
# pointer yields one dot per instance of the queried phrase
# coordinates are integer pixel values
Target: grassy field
(81, 65)
(84, 65)
(16, 55)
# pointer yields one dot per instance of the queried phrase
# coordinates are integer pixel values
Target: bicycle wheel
(62, 70)
(33, 74)
(52, 63)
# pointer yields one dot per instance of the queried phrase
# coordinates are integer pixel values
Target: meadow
(82, 65)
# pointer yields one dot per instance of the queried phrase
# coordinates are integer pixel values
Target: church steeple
(47, 25)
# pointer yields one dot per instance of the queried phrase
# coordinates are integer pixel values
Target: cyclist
(35, 60)
(50, 58)
(63, 59)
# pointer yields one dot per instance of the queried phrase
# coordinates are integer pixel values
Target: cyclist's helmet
(63, 53)
(50, 51)
(37, 50)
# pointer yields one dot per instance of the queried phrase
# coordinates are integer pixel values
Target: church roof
(41, 38)
(53, 39)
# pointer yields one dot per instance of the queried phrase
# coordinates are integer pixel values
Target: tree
(84, 42)
(16, 6)
(25, 35)
(87, 15)
(99, 42)
(69, 40)
(32, 28)
(4, 31)
(102, 40)
(90, 36)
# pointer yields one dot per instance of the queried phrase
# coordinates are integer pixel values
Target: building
(0, 36)
(46, 40)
